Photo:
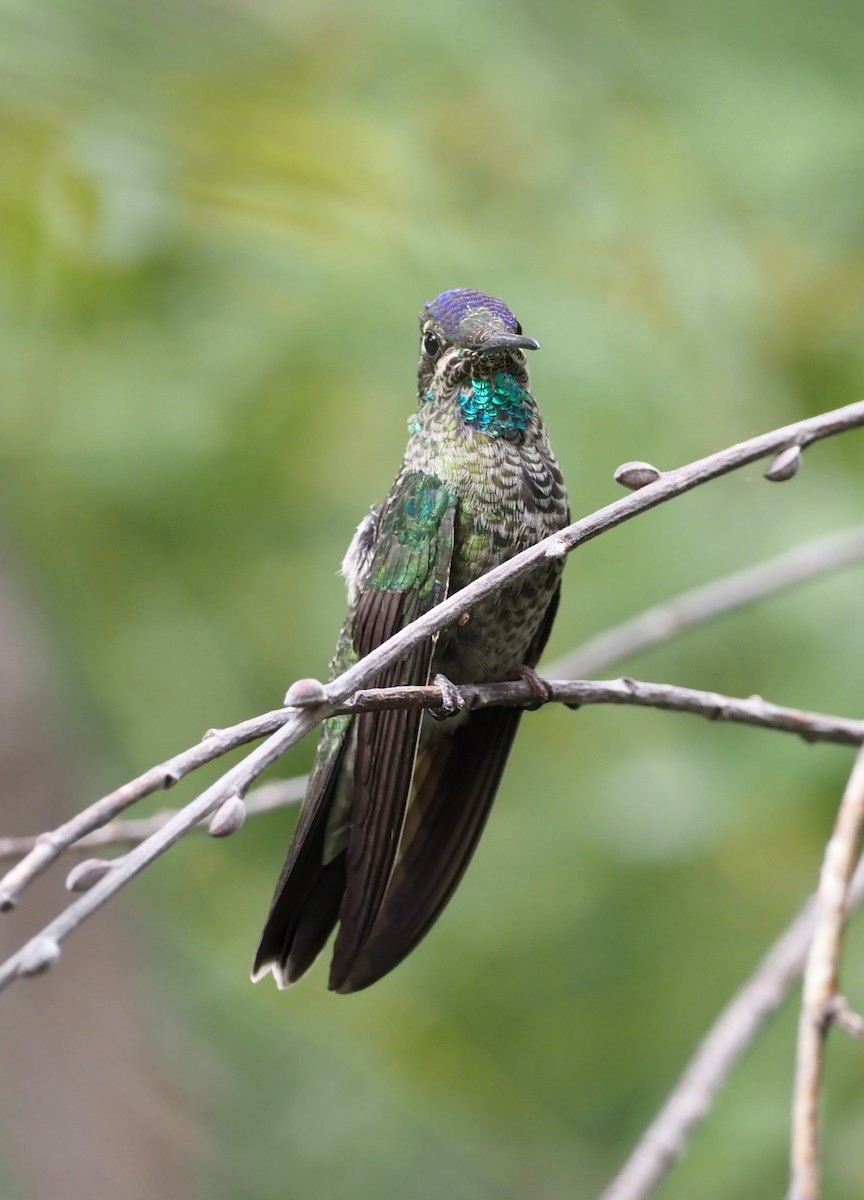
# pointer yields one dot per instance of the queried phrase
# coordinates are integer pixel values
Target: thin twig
(41, 951)
(269, 796)
(48, 847)
(820, 986)
(676, 616)
(737, 1027)
(578, 693)
(845, 1017)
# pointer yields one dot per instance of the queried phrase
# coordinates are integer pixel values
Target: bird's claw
(540, 689)
(452, 700)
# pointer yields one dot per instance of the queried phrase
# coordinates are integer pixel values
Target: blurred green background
(218, 222)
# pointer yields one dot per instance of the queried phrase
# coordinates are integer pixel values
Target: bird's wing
(407, 574)
(454, 785)
(362, 775)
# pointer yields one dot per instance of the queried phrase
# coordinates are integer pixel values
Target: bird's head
(466, 334)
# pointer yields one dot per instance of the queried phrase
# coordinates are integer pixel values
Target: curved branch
(43, 950)
(673, 617)
(48, 847)
(737, 1027)
(269, 796)
(820, 986)
(578, 693)
(667, 487)
(575, 693)
(651, 628)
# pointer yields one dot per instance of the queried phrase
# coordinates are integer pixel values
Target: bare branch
(48, 847)
(667, 487)
(44, 949)
(676, 616)
(269, 796)
(301, 721)
(108, 878)
(845, 1017)
(575, 693)
(578, 693)
(737, 1027)
(656, 625)
(820, 986)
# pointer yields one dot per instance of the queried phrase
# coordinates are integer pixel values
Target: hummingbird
(397, 800)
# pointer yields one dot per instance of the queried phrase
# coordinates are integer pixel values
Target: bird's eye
(431, 345)
(518, 329)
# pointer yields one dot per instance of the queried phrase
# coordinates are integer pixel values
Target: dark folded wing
(408, 573)
(455, 783)
(363, 770)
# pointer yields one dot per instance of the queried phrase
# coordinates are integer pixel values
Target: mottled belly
(493, 638)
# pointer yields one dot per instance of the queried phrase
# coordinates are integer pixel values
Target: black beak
(509, 341)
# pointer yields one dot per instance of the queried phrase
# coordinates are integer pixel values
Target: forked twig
(674, 617)
(48, 847)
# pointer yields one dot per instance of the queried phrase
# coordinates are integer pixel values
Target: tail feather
(455, 783)
(305, 904)
(318, 920)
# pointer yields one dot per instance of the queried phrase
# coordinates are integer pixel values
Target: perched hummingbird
(397, 800)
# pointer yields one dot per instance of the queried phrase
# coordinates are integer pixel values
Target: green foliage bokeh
(217, 225)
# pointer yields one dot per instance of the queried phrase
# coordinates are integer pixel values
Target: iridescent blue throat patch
(499, 407)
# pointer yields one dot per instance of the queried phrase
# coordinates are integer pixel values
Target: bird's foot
(540, 689)
(452, 700)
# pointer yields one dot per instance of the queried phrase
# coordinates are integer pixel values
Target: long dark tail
(455, 782)
(306, 901)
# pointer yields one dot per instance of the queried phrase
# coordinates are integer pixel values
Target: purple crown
(451, 308)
